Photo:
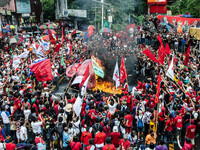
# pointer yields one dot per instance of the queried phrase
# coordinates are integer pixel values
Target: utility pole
(102, 3)
(102, 15)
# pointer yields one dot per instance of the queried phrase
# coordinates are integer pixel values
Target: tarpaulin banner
(130, 29)
(181, 25)
(156, 2)
(183, 21)
(195, 32)
(97, 69)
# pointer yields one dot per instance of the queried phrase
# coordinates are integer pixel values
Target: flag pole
(126, 72)
(157, 117)
(69, 84)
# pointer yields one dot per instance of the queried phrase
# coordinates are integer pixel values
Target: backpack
(140, 122)
(96, 127)
(59, 128)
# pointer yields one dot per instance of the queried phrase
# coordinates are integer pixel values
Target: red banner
(179, 20)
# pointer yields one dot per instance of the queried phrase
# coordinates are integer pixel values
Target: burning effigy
(95, 82)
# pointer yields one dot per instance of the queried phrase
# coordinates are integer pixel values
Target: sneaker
(141, 138)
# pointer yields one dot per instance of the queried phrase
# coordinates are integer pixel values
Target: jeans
(169, 136)
(7, 129)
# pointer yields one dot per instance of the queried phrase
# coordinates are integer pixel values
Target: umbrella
(42, 27)
(91, 27)
(5, 30)
(47, 31)
(51, 23)
(50, 26)
(46, 37)
(10, 26)
(12, 41)
(105, 30)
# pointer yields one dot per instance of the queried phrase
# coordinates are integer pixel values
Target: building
(8, 13)
(60, 7)
(29, 11)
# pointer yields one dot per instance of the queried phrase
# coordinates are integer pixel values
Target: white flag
(46, 46)
(77, 106)
(116, 76)
(24, 54)
(77, 80)
(84, 87)
(16, 61)
(170, 71)
(40, 52)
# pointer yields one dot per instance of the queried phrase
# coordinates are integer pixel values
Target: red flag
(70, 49)
(187, 55)
(51, 38)
(148, 53)
(85, 76)
(20, 40)
(161, 53)
(62, 36)
(167, 49)
(57, 48)
(160, 40)
(123, 74)
(31, 40)
(42, 70)
(158, 89)
(130, 27)
(73, 32)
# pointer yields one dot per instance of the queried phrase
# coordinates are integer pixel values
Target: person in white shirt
(36, 126)
(23, 132)
(6, 122)
(112, 105)
(27, 112)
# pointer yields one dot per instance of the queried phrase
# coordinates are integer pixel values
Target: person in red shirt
(190, 131)
(139, 86)
(178, 121)
(115, 136)
(108, 145)
(124, 143)
(161, 119)
(100, 138)
(75, 145)
(85, 137)
(38, 139)
(91, 145)
(11, 145)
(187, 145)
(168, 128)
(128, 124)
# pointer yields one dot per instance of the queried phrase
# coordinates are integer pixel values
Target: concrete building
(60, 7)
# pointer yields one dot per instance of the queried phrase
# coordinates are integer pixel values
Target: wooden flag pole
(157, 117)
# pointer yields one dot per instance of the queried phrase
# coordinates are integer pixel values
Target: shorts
(128, 129)
(60, 136)
(140, 129)
(53, 138)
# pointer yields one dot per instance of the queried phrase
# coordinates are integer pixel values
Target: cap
(125, 136)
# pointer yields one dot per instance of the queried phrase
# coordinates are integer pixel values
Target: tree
(185, 6)
(48, 9)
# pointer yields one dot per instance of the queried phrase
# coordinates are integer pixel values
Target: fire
(105, 86)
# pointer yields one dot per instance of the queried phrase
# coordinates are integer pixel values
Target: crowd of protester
(31, 116)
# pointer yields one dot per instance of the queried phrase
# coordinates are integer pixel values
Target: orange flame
(105, 86)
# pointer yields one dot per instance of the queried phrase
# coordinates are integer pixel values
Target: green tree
(48, 9)
(186, 6)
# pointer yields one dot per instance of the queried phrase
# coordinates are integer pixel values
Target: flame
(105, 86)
